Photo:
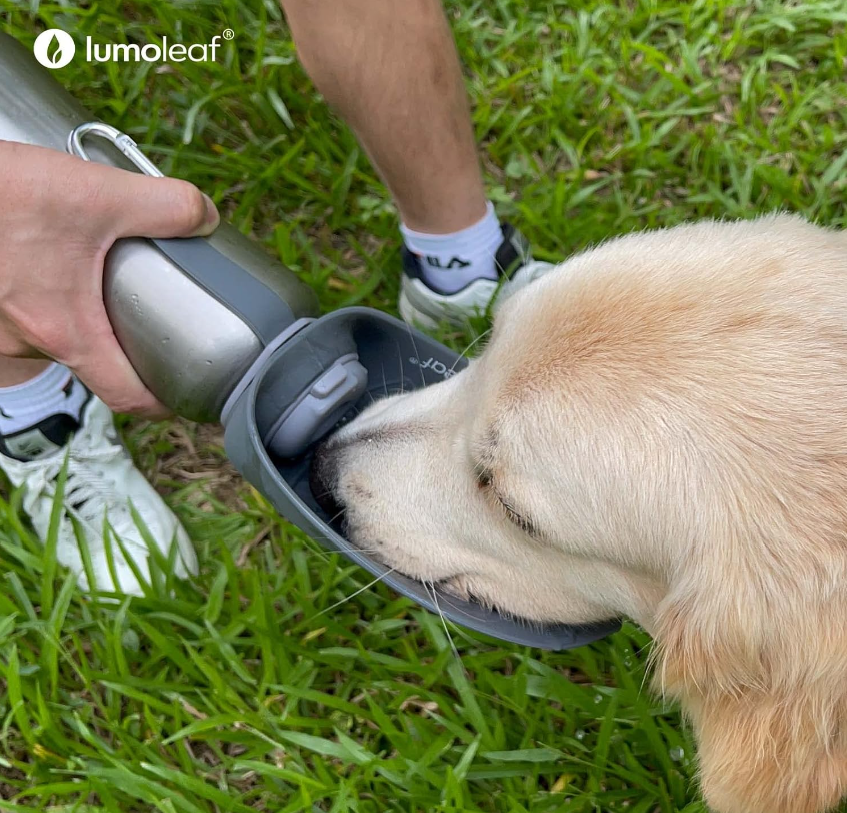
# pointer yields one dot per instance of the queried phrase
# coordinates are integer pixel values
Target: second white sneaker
(421, 304)
(102, 483)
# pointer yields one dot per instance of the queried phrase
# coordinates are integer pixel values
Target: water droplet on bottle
(677, 754)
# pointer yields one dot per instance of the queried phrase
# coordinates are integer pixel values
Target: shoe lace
(89, 489)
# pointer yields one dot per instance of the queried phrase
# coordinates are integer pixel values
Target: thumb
(142, 206)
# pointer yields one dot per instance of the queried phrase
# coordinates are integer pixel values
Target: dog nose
(323, 478)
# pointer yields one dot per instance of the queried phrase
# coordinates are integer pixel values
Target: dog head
(658, 428)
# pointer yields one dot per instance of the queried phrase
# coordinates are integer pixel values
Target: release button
(330, 381)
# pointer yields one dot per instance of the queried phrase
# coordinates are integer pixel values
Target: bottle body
(187, 346)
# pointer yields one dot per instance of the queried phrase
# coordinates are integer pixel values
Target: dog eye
(484, 477)
(518, 519)
(515, 517)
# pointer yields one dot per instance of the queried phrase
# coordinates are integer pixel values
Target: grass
(253, 688)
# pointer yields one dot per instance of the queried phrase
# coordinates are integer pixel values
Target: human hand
(59, 217)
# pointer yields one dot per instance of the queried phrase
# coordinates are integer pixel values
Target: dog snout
(323, 478)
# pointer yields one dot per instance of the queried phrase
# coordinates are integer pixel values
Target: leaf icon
(54, 50)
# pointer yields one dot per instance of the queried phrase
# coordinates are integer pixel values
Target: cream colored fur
(657, 429)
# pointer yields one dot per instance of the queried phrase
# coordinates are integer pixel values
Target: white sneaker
(422, 305)
(102, 482)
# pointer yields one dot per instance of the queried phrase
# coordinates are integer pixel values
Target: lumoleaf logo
(54, 48)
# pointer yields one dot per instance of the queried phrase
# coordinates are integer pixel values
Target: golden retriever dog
(657, 429)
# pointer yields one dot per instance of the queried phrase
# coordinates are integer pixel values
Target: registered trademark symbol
(229, 34)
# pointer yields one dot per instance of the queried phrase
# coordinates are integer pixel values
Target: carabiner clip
(115, 137)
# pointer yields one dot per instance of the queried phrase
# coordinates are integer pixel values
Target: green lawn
(279, 681)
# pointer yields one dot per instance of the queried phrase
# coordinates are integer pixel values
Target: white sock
(450, 261)
(55, 390)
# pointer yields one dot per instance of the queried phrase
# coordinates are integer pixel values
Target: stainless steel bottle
(188, 347)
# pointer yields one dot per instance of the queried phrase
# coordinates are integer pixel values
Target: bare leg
(15, 371)
(391, 70)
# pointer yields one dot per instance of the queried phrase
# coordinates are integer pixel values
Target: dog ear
(758, 661)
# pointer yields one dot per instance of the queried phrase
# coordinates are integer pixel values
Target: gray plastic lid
(318, 409)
